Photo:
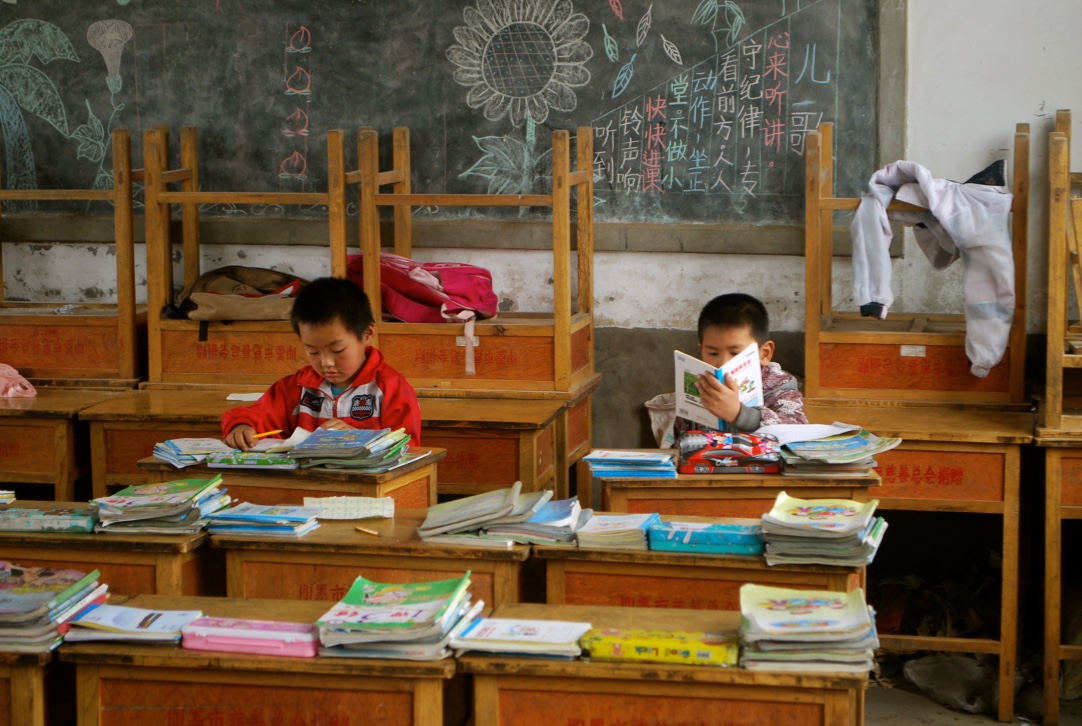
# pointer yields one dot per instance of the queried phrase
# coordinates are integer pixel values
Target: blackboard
(700, 107)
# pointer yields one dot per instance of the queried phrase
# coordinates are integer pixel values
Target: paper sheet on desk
(243, 396)
(352, 507)
(786, 433)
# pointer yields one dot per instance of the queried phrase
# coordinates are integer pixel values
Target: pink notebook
(264, 637)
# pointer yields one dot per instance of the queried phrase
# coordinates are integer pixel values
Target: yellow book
(656, 646)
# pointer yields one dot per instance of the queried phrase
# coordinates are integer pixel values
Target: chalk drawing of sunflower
(521, 58)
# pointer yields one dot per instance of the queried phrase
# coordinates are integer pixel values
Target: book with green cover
(251, 460)
(163, 494)
(395, 606)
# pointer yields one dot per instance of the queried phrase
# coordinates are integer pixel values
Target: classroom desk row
(134, 684)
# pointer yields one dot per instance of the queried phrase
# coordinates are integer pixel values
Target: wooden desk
(953, 460)
(492, 443)
(410, 485)
(131, 564)
(535, 691)
(323, 564)
(137, 684)
(23, 681)
(722, 495)
(40, 438)
(686, 580)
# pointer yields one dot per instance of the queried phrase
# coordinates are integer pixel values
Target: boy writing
(727, 325)
(345, 385)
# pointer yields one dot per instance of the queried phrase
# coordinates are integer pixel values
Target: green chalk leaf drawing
(91, 137)
(508, 165)
(23, 40)
(35, 93)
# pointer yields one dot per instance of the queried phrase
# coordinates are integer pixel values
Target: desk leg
(1008, 629)
(486, 701)
(1053, 583)
(27, 696)
(88, 707)
(563, 484)
(98, 460)
(428, 702)
(64, 455)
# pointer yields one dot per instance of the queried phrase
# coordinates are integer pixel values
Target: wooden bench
(952, 460)
(511, 689)
(131, 564)
(411, 485)
(324, 563)
(41, 440)
(137, 684)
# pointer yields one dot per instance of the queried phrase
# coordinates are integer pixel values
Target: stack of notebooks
(189, 451)
(803, 631)
(554, 523)
(173, 507)
(617, 531)
(629, 464)
(37, 604)
(123, 623)
(705, 535)
(534, 638)
(47, 519)
(369, 450)
(263, 520)
(822, 531)
(412, 621)
(850, 454)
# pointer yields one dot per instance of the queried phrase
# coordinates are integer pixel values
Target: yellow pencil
(267, 433)
(372, 532)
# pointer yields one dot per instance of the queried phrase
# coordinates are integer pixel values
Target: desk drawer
(936, 471)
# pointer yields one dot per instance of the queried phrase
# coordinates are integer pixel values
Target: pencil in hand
(266, 433)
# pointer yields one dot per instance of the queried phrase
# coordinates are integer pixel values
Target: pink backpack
(432, 292)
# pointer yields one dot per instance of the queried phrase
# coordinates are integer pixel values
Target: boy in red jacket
(345, 385)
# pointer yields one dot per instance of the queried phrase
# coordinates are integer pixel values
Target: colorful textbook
(656, 646)
(38, 594)
(744, 369)
(47, 519)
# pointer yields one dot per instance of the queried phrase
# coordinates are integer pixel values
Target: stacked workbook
(37, 604)
(120, 622)
(617, 531)
(822, 531)
(535, 638)
(189, 451)
(172, 507)
(47, 519)
(850, 454)
(262, 520)
(369, 450)
(622, 464)
(802, 630)
(6, 496)
(412, 621)
(555, 522)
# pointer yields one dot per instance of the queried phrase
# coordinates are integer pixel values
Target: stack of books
(617, 531)
(173, 507)
(556, 522)
(120, 622)
(657, 646)
(47, 519)
(6, 496)
(705, 535)
(189, 451)
(370, 450)
(850, 454)
(536, 638)
(37, 604)
(412, 621)
(837, 532)
(629, 464)
(801, 630)
(469, 514)
(261, 520)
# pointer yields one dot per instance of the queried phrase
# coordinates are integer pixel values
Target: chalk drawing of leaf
(35, 93)
(91, 136)
(612, 50)
(505, 162)
(735, 17)
(22, 40)
(671, 50)
(624, 77)
(644, 26)
(706, 13)
(617, 8)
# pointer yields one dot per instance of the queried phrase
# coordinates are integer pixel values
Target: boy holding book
(727, 325)
(346, 383)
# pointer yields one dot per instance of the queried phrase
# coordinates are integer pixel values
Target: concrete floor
(901, 706)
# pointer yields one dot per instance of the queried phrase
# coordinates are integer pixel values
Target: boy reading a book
(727, 325)
(346, 383)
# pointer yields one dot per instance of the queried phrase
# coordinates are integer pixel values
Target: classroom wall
(975, 68)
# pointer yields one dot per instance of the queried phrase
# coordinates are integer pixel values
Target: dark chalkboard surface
(699, 106)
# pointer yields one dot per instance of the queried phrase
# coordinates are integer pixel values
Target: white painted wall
(976, 68)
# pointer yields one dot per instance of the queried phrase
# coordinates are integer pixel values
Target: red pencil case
(263, 637)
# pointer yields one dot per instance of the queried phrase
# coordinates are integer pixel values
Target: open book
(744, 368)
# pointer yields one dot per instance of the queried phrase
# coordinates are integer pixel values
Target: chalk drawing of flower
(521, 58)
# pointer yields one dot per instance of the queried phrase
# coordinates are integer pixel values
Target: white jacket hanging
(967, 221)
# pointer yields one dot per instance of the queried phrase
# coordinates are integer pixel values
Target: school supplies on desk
(822, 531)
(843, 448)
(239, 635)
(621, 464)
(119, 622)
(251, 460)
(352, 507)
(738, 537)
(6, 496)
(616, 531)
(189, 451)
(264, 520)
(658, 646)
(343, 444)
(47, 519)
(36, 595)
(532, 637)
(557, 521)
(174, 507)
(744, 369)
(434, 648)
(462, 515)
(713, 452)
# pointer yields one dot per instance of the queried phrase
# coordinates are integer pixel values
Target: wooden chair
(187, 352)
(93, 345)
(913, 357)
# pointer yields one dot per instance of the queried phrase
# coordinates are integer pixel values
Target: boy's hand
(241, 436)
(335, 424)
(720, 399)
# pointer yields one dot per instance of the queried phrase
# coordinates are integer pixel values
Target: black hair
(736, 310)
(328, 299)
